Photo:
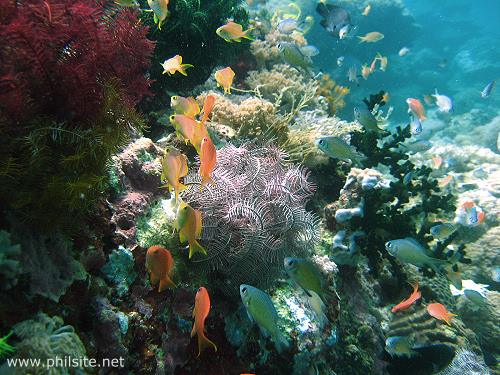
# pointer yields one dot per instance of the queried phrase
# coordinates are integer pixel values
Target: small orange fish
(208, 159)
(474, 216)
(208, 106)
(189, 224)
(405, 304)
(366, 11)
(365, 71)
(386, 97)
(160, 265)
(445, 181)
(383, 61)
(438, 161)
(233, 32)
(372, 37)
(185, 106)
(200, 313)
(174, 166)
(438, 311)
(224, 78)
(185, 126)
(174, 64)
(416, 107)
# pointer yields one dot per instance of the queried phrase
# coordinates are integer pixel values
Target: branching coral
(255, 214)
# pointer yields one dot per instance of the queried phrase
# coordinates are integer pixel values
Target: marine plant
(189, 31)
(5, 348)
(71, 73)
(254, 216)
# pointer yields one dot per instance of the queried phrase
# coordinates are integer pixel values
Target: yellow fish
(185, 106)
(160, 10)
(174, 64)
(366, 11)
(372, 37)
(233, 31)
(173, 167)
(189, 129)
(188, 223)
(365, 71)
(224, 78)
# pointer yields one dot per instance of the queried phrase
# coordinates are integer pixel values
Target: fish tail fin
(183, 67)
(316, 302)
(362, 39)
(195, 247)
(245, 34)
(280, 342)
(165, 283)
(204, 343)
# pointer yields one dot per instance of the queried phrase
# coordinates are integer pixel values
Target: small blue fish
(488, 89)
(442, 231)
(415, 126)
(288, 26)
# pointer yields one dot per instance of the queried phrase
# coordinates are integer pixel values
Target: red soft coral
(56, 55)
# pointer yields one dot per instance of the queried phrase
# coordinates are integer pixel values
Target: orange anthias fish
(200, 313)
(185, 106)
(438, 311)
(188, 223)
(365, 71)
(174, 64)
(160, 265)
(445, 181)
(224, 78)
(372, 37)
(438, 161)
(208, 159)
(405, 304)
(208, 106)
(233, 31)
(191, 130)
(160, 10)
(366, 11)
(174, 166)
(416, 107)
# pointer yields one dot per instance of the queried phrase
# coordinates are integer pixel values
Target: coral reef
(45, 338)
(254, 216)
(119, 270)
(466, 362)
(483, 253)
(10, 267)
(333, 93)
(48, 262)
(136, 172)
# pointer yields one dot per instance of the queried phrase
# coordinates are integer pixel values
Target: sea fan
(255, 214)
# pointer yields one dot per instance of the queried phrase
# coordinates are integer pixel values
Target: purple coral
(255, 215)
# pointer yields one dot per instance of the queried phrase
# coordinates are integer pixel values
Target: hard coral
(333, 93)
(254, 216)
(46, 338)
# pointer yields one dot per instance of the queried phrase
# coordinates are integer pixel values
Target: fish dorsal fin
(436, 93)
(414, 242)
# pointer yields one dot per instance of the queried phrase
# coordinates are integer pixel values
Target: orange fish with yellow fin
(160, 265)
(200, 313)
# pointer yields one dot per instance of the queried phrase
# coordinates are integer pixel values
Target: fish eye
(389, 244)
(172, 118)
(321, 142)
(244, 290)
(174, 97)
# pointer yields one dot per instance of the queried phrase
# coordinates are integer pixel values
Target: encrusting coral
(254, 216)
